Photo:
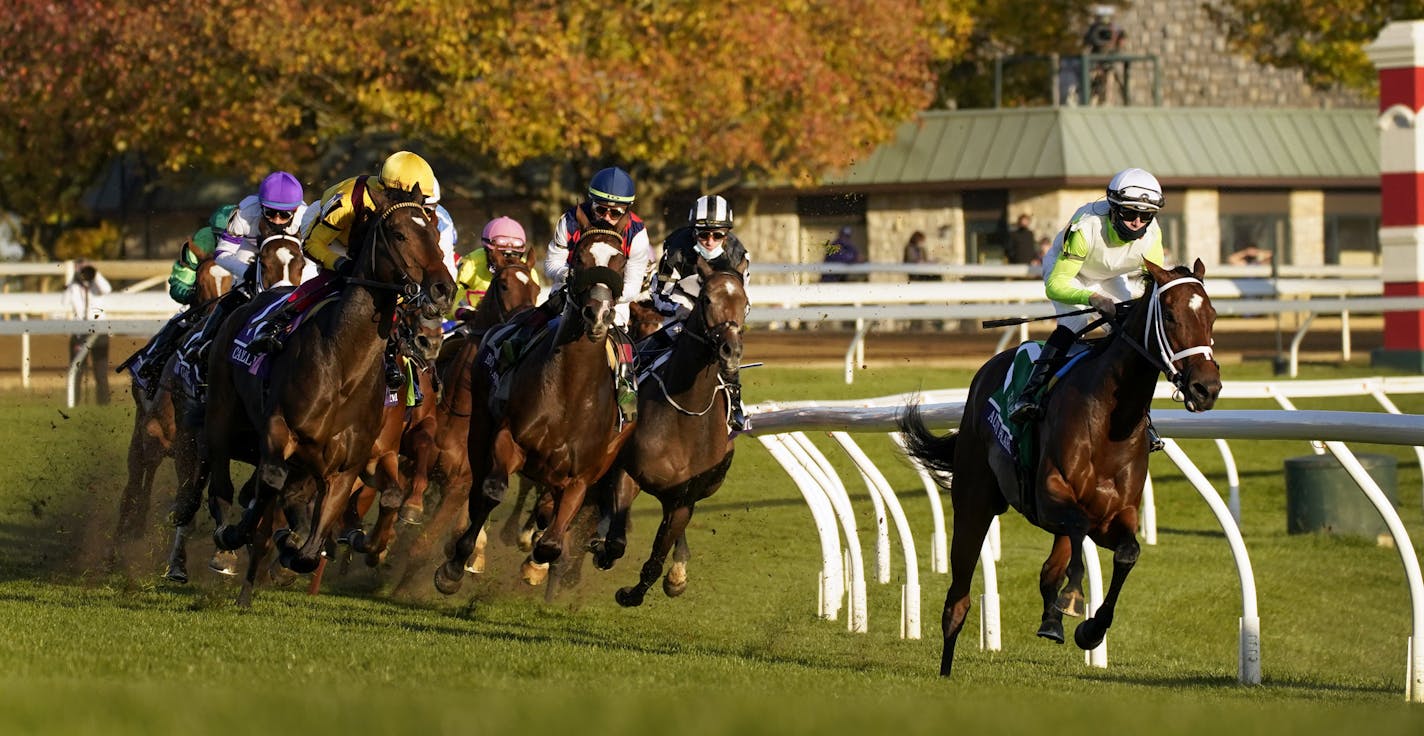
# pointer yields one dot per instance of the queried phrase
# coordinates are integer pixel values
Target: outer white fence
(778, 427)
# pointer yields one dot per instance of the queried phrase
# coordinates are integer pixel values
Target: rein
(378, 237)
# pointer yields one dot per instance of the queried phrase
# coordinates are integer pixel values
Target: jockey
(609, 205)
(1090, 263)
(147, 363)
(448, 237)
(676, 282)
(281, 202)
(326, 236)
(503, 234)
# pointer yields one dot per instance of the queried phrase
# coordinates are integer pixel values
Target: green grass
(86, 650)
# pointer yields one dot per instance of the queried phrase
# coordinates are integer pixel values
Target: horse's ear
(704, 269)
(1155, 271)
(415, 193)
(581, 218)
(1199, 270)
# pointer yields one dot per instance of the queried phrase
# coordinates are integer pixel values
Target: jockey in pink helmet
(503, 234)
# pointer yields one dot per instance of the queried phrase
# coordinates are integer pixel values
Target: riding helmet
(404, 170)
(504, 233)
(710, 212)
(612, 185)
(281, 191)
(1135, 190)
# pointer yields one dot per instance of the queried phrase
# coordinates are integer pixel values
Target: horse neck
(357, 316)
(1134, 374)
(692, 368)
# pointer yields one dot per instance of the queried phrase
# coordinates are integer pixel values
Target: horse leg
(1070, 601)
(540, 516)
(143, 460)
(972, 516)
(223, 561)
(453, 504)
(674, 523)
(675, 582)
(512, 533)
(1050, 579)
(356, 507)
(332, 495)
(1122, 537)
(390, 506)
(423, 451)
(193, 476)
(492, 468)
(260, 548)
(615, 493)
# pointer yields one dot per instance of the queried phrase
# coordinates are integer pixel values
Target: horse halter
(1165, 356)
(409, 293)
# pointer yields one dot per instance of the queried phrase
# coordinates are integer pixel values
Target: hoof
(1052, 631)
(673, 589)
(1088, 635)
(527, 538)
(412, 514)
(177, 574)
(1071, 604)
(223, 562)
(476, 565)
(302, 565)
(281, 576)
(629, 597)
(546, 551)
(534, 573)
(447, 581)
(228, 537)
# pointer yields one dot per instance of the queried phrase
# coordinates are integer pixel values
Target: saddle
(1014, 454)
(259, 365)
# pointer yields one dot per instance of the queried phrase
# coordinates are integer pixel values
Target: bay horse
(156, 429)
(681, 449)
(561, 425)
(1092, 459)
(511, 292)
(280, 262)
(316, 415)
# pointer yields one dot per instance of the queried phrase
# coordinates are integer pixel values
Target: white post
(1233, 481)
(1097, 656)
(939, 541)
(826, 476)
(829, 592)
(1149, 511)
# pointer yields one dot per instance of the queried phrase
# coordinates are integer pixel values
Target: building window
(1352, 222)
(986, 225)
(1260, 219)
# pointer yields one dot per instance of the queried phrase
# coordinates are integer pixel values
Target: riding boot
(1154, 441)
(738, 421)
(269, 335)
(1027, 408)
(625, 378)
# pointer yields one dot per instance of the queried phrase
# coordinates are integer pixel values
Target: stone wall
(1199, 70)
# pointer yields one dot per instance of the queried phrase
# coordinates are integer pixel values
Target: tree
(1324, 39)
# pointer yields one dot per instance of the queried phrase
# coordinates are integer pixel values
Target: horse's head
(400, 248)
(514, 287)
(1178, 331)
(212, 281)
(280, 260)
(595, 278)
(419, 335)
(718, 316)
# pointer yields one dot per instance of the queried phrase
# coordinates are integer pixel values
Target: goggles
(1129, 213)
(605, 210)
(278, 217)
(712, 235)
(505, 243)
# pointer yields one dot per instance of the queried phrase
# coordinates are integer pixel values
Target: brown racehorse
(1092, 462)
(560, 427)
(156, 429)
(317, 413)
(681, 450)
(511, 292)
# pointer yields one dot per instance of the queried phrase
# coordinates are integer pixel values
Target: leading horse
(316, 415)
(561, 427)
(1092, 460)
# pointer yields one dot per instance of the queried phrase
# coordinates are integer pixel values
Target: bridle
(1156, 347)
(259, 273)
(712, 337)
(410, 295)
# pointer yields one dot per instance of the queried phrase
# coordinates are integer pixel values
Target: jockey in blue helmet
(609, 205)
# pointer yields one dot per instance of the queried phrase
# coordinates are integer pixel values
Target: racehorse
(316, 414)
(156, 429)
(1088, 476)
(405, 430)
(511, 292)
(561, 425)
(681, 450)
(280, 262)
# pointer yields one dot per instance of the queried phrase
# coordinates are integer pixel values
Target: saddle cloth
(258, 365)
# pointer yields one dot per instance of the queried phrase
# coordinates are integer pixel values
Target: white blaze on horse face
(285, 256)
(522, 277)
(603, 253)
(421, 221)
(1195, 303)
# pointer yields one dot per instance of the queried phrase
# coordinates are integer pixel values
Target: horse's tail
(936, 454)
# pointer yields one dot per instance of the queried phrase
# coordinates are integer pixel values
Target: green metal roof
(1181, 146)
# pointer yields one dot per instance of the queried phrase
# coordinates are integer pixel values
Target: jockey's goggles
(1129, 213)
(505, 243)
(714, 235)
(604, 210)
(279, 217)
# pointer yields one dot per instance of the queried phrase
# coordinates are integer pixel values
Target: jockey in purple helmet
(281, 202)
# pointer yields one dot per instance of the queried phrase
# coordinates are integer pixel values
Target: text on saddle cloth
(259, 365)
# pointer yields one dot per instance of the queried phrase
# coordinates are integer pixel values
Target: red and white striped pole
(1398, 53)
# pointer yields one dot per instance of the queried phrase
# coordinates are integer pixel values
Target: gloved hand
(1103, 303)
(344, 266)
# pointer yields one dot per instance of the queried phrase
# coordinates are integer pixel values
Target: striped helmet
(710, 212)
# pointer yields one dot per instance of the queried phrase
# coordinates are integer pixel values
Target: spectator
(1022, 248)
(1044, 243)
(915, 253)
(842, 250)
(1249, 255)
(83, 300)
